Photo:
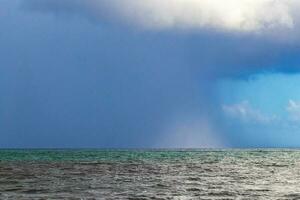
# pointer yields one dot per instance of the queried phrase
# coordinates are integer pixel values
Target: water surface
(150, 174)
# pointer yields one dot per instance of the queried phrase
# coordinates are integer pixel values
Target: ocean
(150, 174)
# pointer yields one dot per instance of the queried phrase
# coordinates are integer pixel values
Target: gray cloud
(142, 84)
(238, 38)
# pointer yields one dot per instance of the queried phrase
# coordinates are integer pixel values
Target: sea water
(150, 174)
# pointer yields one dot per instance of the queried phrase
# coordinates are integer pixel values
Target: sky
(149, 74)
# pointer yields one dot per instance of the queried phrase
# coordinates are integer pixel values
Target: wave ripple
(145, 174)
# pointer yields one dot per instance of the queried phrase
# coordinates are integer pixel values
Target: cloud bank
(232, 15)
(230, 39)
(245, 112)
(238, 15)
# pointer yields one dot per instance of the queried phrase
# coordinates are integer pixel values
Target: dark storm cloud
(214, 51)
(102, 84)
(76, 84)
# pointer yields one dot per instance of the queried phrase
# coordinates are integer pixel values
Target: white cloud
(229, 15)
(293, 109)
(245, 112)
(238, 15)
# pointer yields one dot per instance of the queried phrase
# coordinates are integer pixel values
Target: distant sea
(150, 174)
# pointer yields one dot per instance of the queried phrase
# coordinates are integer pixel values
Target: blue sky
(265, 106)
(193, 73)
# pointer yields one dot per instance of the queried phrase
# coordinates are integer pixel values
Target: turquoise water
(150, 174)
